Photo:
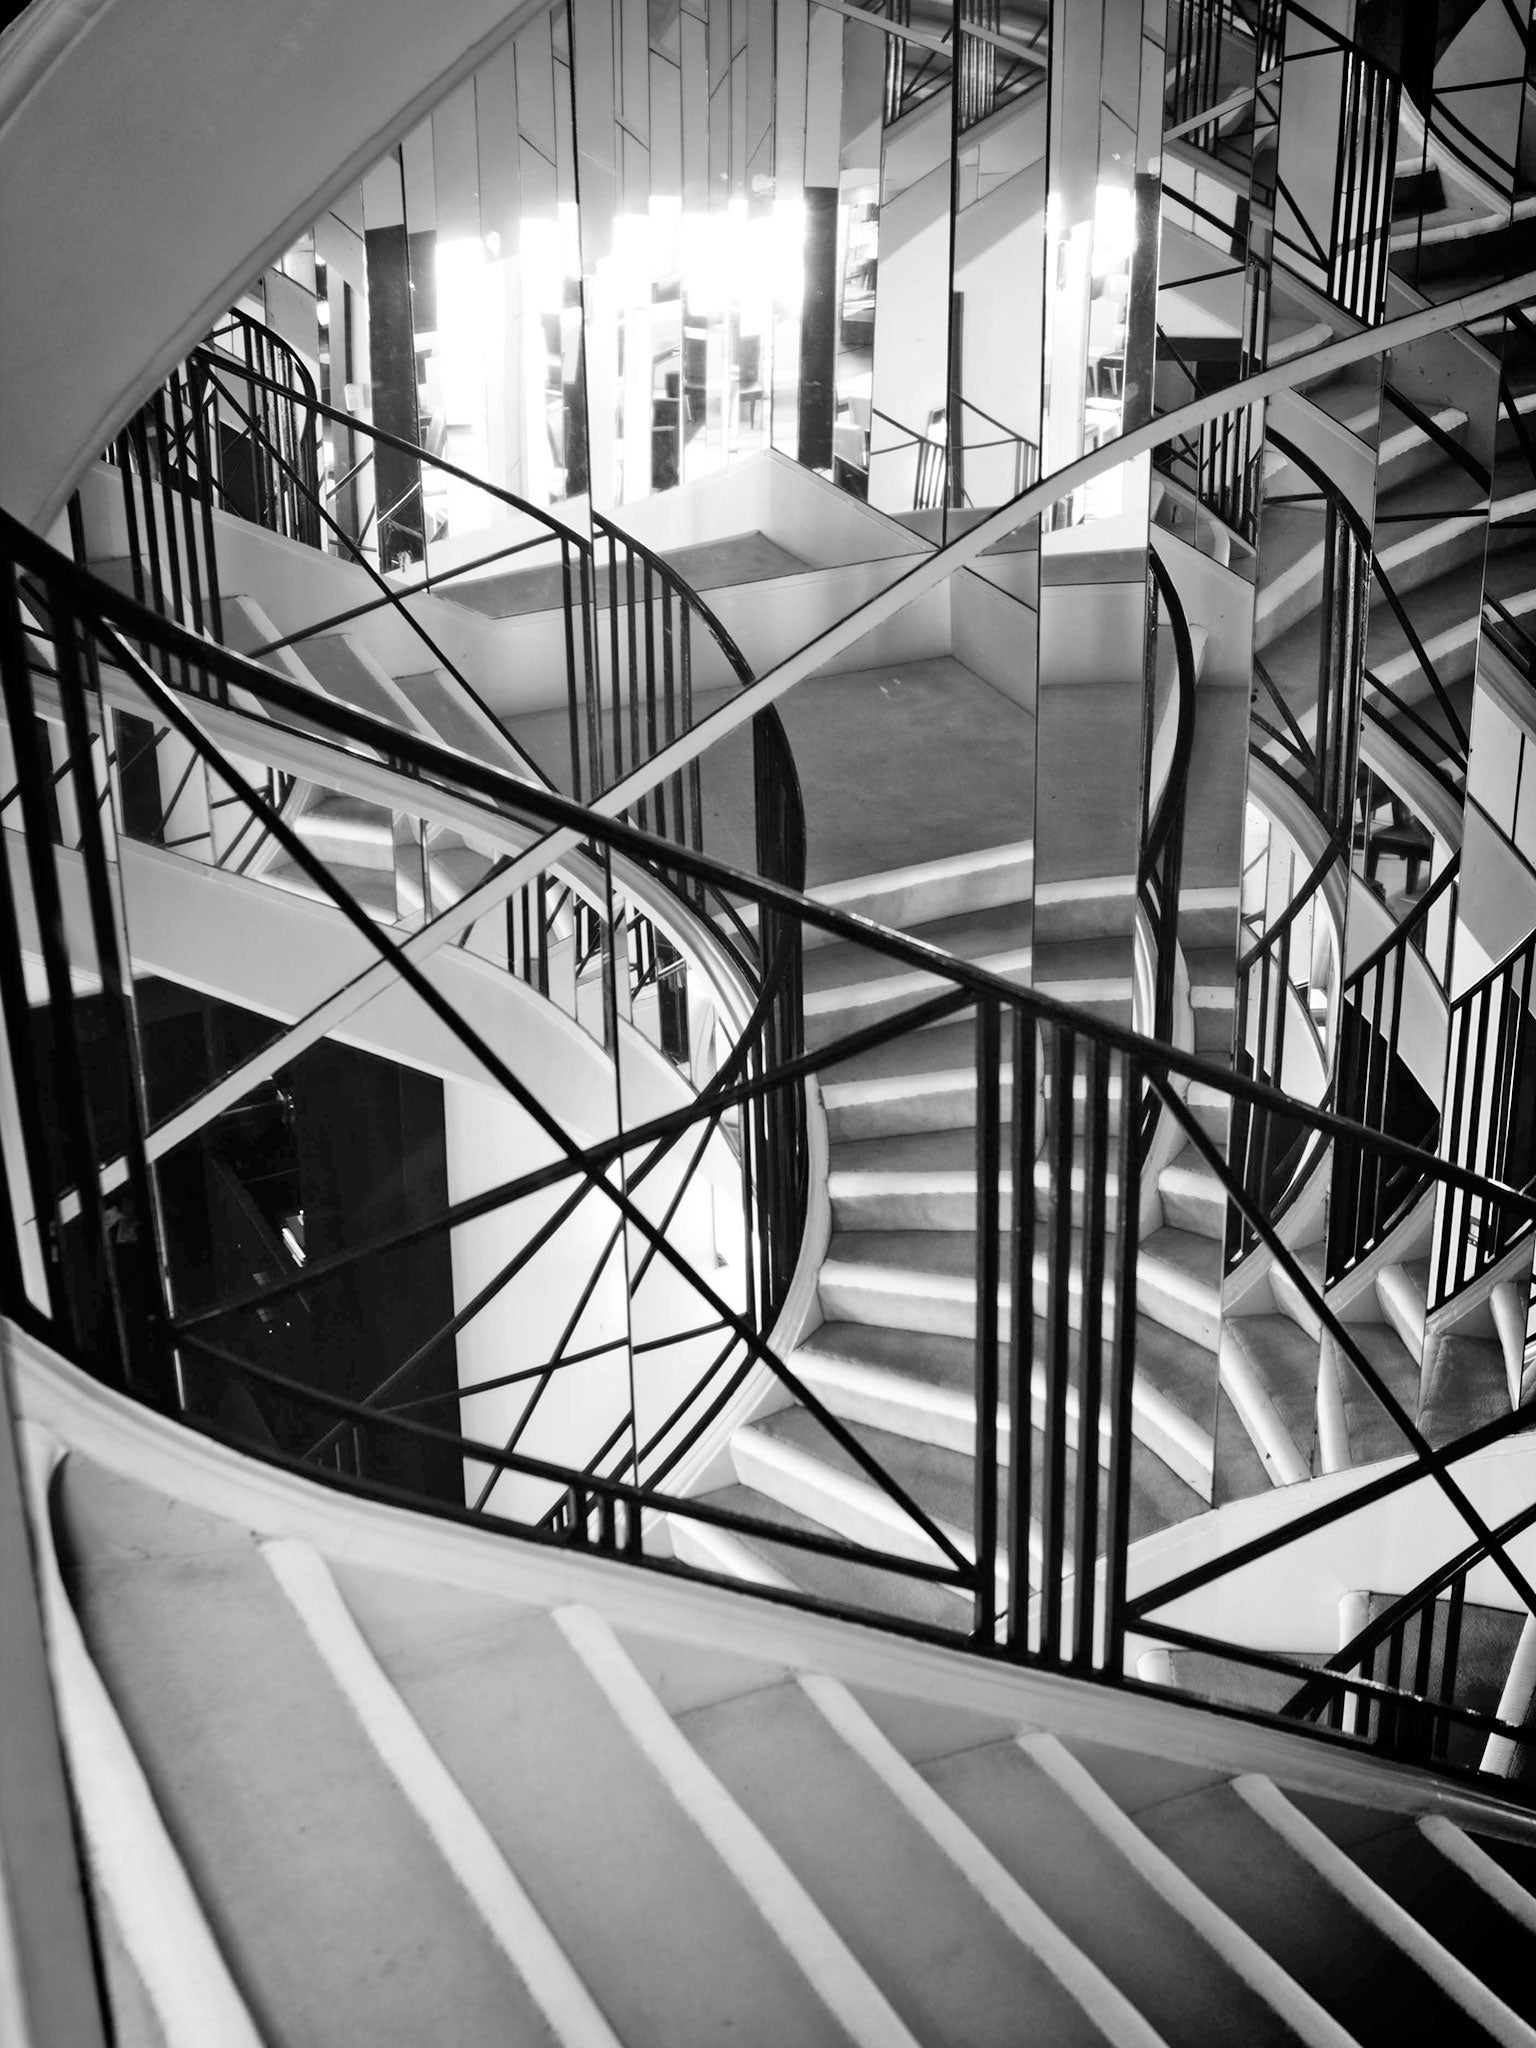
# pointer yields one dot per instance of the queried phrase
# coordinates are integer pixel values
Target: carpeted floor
(897, 765)
(711, 565)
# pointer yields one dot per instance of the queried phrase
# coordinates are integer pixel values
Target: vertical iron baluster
(1021, 1326)
(201, 399)
(1058, 1348)
(642, 809)
(652, 707)
(1090, 1377)
(1120, 1393)
(188, 516)
(695, 785)
(616, 666)
(140, 433)
(988, 1222)
(570, 684)
(1449, 1659)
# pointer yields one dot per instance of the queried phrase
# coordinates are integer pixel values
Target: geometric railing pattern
(1044, 1569)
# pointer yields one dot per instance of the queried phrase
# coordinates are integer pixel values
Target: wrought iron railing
(1375, 1085)
(1021, 453)
(1273, 1150)
(1347, 255)
(1400, 1682)
(1490, 1121)
(1042, 1571)
(997, 62)
(1220, 463)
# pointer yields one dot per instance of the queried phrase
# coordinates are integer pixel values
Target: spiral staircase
(838, 1676)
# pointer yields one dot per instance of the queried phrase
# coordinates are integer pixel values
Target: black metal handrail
(1019, 1571)
(1160, 868)
(1375, 1086)
(1402, 1668)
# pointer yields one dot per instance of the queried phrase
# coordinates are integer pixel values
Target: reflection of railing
(631, 632)
(1020, 1572)
(1220, 464)
(1351, 266)
(1025, 453)
(930, 482)
(995, 66)
(215, 400)
(1490, 1121)
(1272, 1152)
(1514, 637)
(1395, 1683)
(269, 474)
(1161, 865)
(1344, 596)
(1374, 1085)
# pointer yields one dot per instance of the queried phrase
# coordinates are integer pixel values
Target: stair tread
(1465, 1384)
(1146, 1947)
(274, 1802)
(940, 1481)
(695, 1958)
(1447, 1903)
(1372, 1432)
(951, 1972)
(1328, 1945)
(976, 935)
(834, 1579)
(1284, 1361)
(1197, 1257)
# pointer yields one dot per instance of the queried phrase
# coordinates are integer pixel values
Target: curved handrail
(1160, 867)
(1425, 1721)
(598, 1508)
(1175, 788)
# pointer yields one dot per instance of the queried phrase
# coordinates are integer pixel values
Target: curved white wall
(152, 158)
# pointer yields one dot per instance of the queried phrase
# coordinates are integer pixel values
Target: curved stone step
(1470, 1920)
(1168, 1946)
(927, 1181)
(275, 1799)
(1340, 1937)
(978, 1962)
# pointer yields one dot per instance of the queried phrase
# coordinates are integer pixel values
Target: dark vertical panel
(392, 371)
(818, 328)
